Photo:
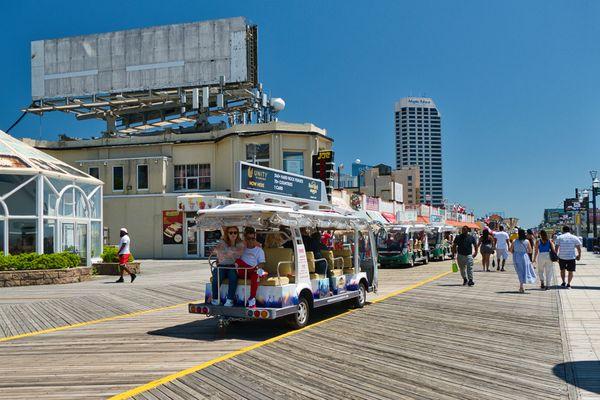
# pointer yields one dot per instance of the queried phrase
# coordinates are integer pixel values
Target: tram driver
(229, 249)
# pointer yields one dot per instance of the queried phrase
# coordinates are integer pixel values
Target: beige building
(380, 183)
(154, 184)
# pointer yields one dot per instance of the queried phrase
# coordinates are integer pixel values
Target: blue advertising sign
(254, 178)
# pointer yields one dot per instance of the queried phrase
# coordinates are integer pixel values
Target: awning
(459, 224)
(391, 218)
(422, 220)
(377, 217)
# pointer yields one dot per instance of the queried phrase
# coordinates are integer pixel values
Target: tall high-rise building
(419, 142)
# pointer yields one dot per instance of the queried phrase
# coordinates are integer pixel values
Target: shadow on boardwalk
(587, 372)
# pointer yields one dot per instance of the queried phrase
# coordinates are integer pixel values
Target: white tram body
(293, 287)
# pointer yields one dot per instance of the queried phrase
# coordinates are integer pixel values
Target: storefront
(154, 184)
(197, 243)
(46, 206)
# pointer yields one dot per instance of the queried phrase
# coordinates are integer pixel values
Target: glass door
(68, 237)
(191, 241)
(82, 242)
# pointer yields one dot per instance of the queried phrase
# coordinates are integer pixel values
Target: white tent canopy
(47, 205)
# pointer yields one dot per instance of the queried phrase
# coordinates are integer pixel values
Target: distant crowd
(534, 254)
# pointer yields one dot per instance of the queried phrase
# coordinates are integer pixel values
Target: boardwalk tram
(297, 280)
(403, 245)
(440, 242)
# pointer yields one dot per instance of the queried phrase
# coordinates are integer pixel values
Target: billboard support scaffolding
(157, 78)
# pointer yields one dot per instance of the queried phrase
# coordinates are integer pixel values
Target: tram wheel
(299, 319)
(360, 301)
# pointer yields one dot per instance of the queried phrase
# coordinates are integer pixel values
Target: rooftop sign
(161, 57)
(253, 179)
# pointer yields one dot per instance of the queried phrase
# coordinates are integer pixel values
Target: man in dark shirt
(465, 247)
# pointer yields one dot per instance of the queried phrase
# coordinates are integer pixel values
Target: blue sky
(516, 81)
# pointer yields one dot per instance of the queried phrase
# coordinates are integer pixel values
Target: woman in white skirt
(541, 255)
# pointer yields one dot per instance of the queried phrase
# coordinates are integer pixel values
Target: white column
(40, 213)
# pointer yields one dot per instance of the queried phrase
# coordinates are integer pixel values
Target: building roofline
(179, 138)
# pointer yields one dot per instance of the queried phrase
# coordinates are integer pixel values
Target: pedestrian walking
(465, 248)
(124, 253)
(543, 255)
(486, 247)
(523, 267)
(566, 244)
(502, 243)
(531, 239)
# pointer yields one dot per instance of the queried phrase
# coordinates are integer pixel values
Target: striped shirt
(567, 244)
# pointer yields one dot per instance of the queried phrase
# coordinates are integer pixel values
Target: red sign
(391, 218)
(172, 227)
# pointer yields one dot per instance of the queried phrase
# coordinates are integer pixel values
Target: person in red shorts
(251, 263)
(124, 253)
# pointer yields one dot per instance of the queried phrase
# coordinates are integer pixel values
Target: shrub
(38, 261)
(110, 254)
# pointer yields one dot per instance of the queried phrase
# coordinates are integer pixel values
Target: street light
(595, 187)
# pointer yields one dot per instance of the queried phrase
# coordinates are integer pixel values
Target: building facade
(401, 185)
(154, 184)
(419, 142)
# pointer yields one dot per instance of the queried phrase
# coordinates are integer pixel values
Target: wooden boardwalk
(34, 308)
(439, 341)
(98, 360)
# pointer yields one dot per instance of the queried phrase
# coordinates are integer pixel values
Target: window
(258, 154)
(95, 172)
(293, 161)
(21, 236)
(117, 179)
(192, 177)
(142, 177)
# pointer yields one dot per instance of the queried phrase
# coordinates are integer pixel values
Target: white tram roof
(268, 215)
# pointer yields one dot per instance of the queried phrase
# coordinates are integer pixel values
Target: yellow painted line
(411, 287)
(95, 321)
(196, 368)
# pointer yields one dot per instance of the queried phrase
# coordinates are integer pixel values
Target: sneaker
(471, 283)
(229, 303)
(215, 302)
(465, 281)
(542, 286)
(502, 270)
(251, 302)
(133, 276)
(120, 280)
(568, 286)
(563, 284)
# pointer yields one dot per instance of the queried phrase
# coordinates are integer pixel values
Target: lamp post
(595, 187)
(340, 167)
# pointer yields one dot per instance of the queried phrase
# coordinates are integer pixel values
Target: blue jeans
(228, 273)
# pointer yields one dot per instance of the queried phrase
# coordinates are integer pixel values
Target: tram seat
(274, 281)
(335, 264)
(310, 258)
(346, 254)
(284, 258)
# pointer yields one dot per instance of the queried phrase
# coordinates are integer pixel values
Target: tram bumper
(240, 312)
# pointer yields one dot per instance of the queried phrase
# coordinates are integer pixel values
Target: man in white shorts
(502, 242)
